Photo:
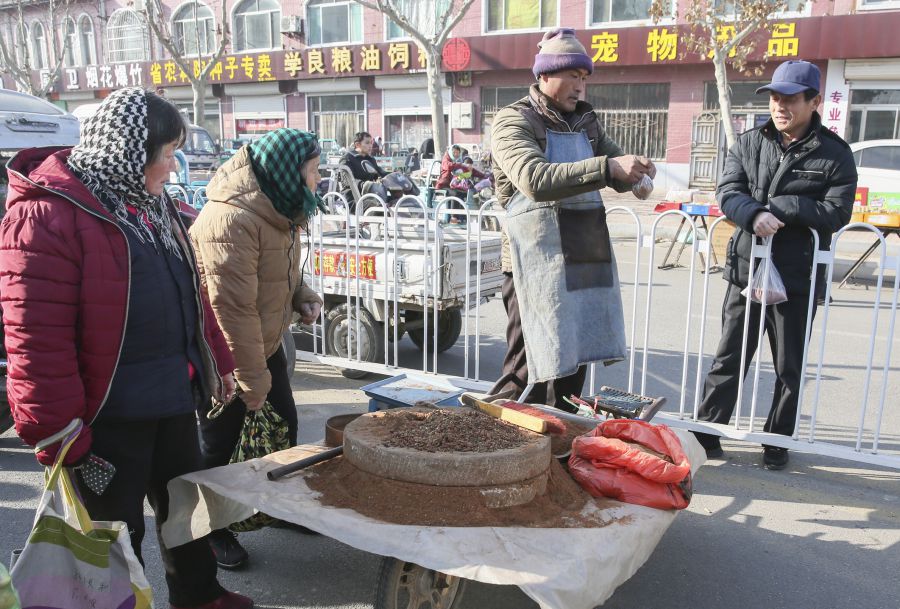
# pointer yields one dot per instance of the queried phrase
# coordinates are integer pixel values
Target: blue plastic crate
(407, 389)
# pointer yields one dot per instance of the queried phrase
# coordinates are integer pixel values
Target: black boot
(230, 554)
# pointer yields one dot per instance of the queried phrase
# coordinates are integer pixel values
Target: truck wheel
(449, 328)
(406, 585)
(369, 345)
(290, 351)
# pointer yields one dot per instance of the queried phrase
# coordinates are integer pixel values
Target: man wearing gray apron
(550, 159)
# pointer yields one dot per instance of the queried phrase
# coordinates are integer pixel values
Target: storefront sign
(867, 35)
(250, 126)
(456, 55)
(836, 98)
(333, 263)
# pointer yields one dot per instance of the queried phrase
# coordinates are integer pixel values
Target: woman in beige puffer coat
(248, 242)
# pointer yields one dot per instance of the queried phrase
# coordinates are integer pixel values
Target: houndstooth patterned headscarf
(110, 160)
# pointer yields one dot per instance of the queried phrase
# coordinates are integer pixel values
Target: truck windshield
(200, 141)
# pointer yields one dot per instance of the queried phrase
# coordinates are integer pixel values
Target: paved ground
(822, 534)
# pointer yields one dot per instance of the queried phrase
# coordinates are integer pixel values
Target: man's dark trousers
(515, 364)
(786, 328)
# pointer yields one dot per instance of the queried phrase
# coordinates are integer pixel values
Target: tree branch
(445, 31)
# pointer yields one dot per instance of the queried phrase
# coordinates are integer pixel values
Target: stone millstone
(364, 447)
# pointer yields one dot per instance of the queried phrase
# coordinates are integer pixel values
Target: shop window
(792, 6)
(70, 42)
(408, 131)
(257, 25)
(743, 95)
(250, 129)
(337, 117)
(423, 15)
(334, 22)
(521, 14)
(210, 115)
(635, 116)
(86, 43)
(19, 36)
(494, 98)
(39, 59)
(126, 37)
(194, 28)
(873, 115)
(878, 4)
(605, 11)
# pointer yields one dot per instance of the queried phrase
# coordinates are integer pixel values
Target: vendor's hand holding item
(767, 285)
(635, 462)
(630, 168)
(642, 188)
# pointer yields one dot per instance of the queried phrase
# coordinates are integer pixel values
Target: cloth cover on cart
(560, 568)
(565, 275)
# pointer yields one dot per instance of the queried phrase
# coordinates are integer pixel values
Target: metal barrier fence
(409, 268)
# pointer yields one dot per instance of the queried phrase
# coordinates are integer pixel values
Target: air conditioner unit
(291, 24)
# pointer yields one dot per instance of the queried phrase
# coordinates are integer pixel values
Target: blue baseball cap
(793, 77)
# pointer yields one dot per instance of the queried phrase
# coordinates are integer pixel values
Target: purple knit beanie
(560, 50)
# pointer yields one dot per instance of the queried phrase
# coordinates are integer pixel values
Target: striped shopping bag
(70, 561)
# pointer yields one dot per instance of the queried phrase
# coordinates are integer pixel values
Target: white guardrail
(344, 335)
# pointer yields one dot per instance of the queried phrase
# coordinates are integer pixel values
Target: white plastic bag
(642, 188)
(772, 286)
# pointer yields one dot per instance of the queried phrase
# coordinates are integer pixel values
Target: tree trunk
(199, 89)
(724, 97)
(435, 94)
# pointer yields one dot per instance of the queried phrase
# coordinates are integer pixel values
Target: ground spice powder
(564, 505)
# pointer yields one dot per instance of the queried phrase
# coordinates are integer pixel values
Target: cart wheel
(370, 343)
(405, 585)
(449, 328)
(290, 351)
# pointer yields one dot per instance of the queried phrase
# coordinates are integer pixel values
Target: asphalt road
(822, 534)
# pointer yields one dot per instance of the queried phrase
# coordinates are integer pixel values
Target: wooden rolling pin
(521, 419)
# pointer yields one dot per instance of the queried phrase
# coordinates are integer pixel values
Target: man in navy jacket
(780, 180)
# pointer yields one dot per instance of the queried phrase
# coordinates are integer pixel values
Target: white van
(30, 122)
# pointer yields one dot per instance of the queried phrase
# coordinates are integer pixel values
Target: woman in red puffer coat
(106, 322)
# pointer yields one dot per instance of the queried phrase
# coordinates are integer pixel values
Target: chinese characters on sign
(334, 264)
(783, 43)
(662, 45)
(630, 46)
(835, 98)
(606, 47)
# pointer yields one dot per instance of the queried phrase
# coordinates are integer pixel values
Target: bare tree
(724, 30)
(18, 62)
(429, 23)
(179, 53)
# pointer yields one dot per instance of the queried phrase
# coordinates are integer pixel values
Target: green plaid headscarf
(276, 158)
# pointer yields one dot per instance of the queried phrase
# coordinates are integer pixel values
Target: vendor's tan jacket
(249, 259)
(519, 163)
